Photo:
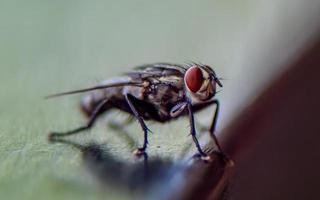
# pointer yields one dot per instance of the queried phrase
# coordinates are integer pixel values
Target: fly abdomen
(91, 101)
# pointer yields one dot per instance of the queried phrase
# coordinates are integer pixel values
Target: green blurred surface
(52, 46)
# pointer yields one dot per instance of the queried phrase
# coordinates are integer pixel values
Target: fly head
(201, 82)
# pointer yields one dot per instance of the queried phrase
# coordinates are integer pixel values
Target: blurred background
(53, 46)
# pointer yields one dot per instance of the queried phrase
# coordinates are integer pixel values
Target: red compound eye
(194, 78)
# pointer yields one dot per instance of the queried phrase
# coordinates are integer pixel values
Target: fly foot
(52, 137)
(203, 156)
(139, 152)
(206, 158)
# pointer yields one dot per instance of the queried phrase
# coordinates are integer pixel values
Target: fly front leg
(214, 124)
(193, 132)
(212, 130)
(55, 135)
(130, 100)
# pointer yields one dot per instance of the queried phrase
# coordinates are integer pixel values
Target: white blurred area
(276, 35)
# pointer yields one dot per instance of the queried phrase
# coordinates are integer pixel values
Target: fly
(159, 92)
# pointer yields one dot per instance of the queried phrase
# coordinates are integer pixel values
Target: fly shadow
(156, 178)
(147, 177)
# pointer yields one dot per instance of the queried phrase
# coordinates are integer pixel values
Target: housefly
(159, 92)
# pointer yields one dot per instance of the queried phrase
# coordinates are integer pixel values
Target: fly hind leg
(53, 136)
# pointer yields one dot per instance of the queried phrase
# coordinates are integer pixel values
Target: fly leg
(214, 124)
(213, 128)
(130, 100)
(55, 135)
(203, 155)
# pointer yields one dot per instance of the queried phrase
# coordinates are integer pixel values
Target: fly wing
(163, 66)
(116, 82)
(165, 72)
(157, 70)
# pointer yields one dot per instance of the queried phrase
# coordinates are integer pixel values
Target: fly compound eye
(194, 79)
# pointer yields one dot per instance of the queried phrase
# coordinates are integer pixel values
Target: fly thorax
(137, 92)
